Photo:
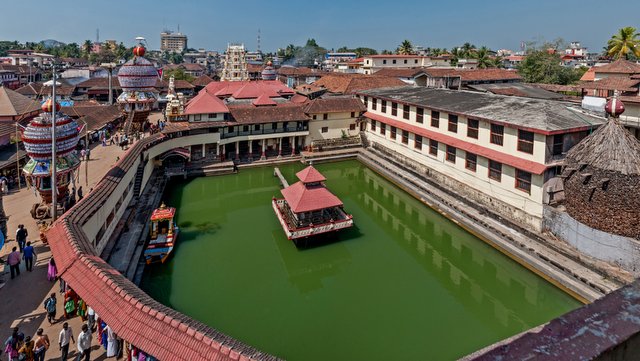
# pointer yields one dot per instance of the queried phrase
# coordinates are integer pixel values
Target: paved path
(23, 297)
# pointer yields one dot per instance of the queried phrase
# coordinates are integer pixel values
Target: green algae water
(404, 284)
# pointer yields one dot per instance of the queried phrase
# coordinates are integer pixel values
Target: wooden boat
(163, 234)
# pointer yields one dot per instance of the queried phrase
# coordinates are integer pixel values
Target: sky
(498, 24)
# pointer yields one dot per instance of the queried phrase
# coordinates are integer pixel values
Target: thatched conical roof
(610, 148)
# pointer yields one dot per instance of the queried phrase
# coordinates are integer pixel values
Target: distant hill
(50, 43)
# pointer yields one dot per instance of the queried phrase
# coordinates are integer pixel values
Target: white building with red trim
(500, 151)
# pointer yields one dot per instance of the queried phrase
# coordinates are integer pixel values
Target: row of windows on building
(325, 116)
(525, 138)
(384, 61)
(523, 178)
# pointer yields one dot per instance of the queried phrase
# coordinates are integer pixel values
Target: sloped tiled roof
(612, 83)
(248, 89)
(39, 89)
(95, 116)
(350, 83)
(102, 83)
(469, 75)
(589, 75)
(282, 112)
(620, 66)
(400, 72)
(334, 104)
(302, 198)
(263, 100)
(202, 80)
(205, 103)
(183, 84)
(13, 103)
(310, 175)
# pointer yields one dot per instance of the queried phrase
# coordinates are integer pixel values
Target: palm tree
(624, 43)
(468, 49)
(484, 60)
(406, 48)
(86, 47)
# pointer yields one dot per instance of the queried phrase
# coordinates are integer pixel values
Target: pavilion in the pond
(309, 208)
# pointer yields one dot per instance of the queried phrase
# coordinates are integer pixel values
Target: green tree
(406, 48)
(540, 66)
(86, 48)
(624, 44)
(178, 74)
(483, 58)
(386, 52)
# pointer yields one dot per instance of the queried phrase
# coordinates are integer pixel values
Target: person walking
(41, 346)
(26, 350)
(21, 236)
(83, 154)
(12, 345)
(88, 154)
(50, 307)
(80, 193)
(65, 338)
(28, 254)
(52, 272)
(84, 344)
(14, 262)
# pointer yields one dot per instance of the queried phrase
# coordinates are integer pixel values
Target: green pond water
(404, 284)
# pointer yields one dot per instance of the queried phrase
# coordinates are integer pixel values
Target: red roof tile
(589, 75)
(310, 175)
(202, 80)
(302, 198)
(334, 104)
(350, 83)
(205, 103)
(523, 164)
(282, 112)
(612, 83)
(263, 100)
(248, 89)
(620, 66)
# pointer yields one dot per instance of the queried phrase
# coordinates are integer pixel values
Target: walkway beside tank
(571, 276)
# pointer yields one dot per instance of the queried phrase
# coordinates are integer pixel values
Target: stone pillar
(238, 150)
(223, 152)
(250, 150)
(264, 154)
(204, 153)
(280, 147)
(293, 145)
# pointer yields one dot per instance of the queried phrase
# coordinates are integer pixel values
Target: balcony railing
(261, 131)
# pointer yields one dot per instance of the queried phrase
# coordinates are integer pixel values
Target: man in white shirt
(84, 344)
(66, 336)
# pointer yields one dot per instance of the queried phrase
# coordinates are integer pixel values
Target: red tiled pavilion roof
(302, 198)
(310, 175)
(204, 103)
(263, 100)
(620, 66)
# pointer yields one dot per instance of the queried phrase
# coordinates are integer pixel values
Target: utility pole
(18, 156)
(109, 67)
(54, 187)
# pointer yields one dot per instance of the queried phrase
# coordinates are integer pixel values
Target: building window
(195, 117)
(212, 115)
(558, 144)
(472, 128)
(405, 61)
(384, 61)
(525, 141)
(495, 170)
(418, 142)
(470, 161)
(435, 119)
(230, 130)
(433, 147)
(274, 125)
(256, 127)
(245, 128)
(405, 137)
(393, 132)
(366, 102)
(383, 129)
(325, 116)
(373, 125)
(497, 134)
(451, 154)
(352, 126)
(384, 106)
(374, 103)
(353, 114)
(419, 115)
(394, 109)
(325, 129)
(453, 123)
(314, 117)
(394, 61)
(415, 61)
(523, 180)
(406, 111)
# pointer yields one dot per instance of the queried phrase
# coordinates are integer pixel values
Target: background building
(170, 41)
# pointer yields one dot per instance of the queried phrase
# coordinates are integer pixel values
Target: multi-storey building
(235, 64)
(170, 41)
(497, 150)
(373, 63)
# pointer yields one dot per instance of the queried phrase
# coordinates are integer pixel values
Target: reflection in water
(404, 284)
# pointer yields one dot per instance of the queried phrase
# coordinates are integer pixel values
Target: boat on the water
(162, 235)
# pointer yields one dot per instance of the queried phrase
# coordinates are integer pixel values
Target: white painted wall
(337, 123)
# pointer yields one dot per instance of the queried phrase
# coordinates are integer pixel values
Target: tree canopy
(178, 74)
(306, 55)
(625, 44)
(541, 66)
(405, 48)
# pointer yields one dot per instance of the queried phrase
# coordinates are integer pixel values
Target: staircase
(127, 125)
(137, 183)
